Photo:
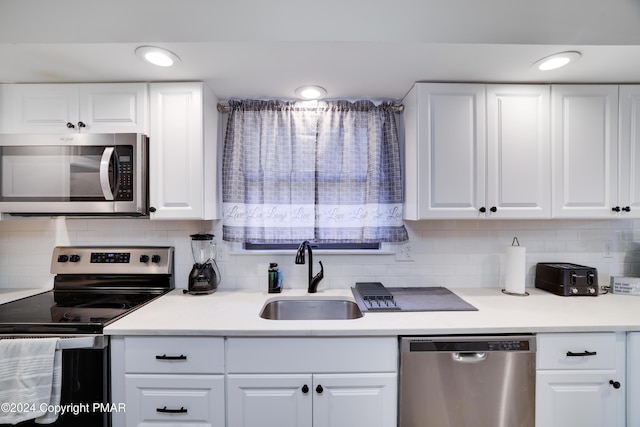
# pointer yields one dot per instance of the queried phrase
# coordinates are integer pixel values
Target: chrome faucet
(313, 280)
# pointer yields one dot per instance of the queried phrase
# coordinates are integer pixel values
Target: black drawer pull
(164, 410)
(615, 384)
(584, 353)
(165, 357)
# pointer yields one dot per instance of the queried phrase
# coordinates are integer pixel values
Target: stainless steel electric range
(93, 287)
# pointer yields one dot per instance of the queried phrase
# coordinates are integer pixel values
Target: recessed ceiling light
(311, 92)
(157, 56)
(556, 61)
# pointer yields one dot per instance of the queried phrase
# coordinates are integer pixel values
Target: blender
(203, 278)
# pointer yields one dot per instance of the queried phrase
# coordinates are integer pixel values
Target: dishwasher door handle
(466, 357)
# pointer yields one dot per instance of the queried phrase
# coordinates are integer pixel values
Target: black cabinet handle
(70, 125)
(319, 389)
(482, 209)
(493, 209)
(305, 389)
(152, 209)
(615, 384)
(182, 410)
(165, 357)
(81, 125)
(584, 353)
(616, 209)
(627, 209)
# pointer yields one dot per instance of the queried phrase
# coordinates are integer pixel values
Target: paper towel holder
(515, 242)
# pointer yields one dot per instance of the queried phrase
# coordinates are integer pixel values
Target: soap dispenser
(275, 279)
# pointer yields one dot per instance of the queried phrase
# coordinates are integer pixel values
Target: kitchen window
(323, 171)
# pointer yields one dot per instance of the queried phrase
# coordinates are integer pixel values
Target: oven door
(85, 384)
(83, 174)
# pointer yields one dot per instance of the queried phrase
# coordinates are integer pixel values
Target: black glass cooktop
(55, 312)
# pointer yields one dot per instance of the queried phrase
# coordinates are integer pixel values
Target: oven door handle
(105, 161)
(76, 343)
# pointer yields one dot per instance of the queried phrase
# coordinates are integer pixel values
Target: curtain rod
(224, 108)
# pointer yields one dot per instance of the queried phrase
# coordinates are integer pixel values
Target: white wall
(447, 253)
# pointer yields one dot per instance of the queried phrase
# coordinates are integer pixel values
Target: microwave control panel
(124, 164)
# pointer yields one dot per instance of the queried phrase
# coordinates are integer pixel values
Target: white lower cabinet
(314, 382)
(168, 381)
(633, 379)
(161, 400)
(580, 380)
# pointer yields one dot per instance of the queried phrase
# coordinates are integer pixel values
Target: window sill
(292, 252)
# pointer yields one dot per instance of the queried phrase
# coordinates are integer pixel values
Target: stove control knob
(144, 258)
(592, 290)
(63, 258)
(574, 290)
(74, 258)
(155, 258)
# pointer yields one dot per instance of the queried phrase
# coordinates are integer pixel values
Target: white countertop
(236, 313)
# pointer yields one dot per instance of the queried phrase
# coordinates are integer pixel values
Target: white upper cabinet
(183, 152)
(629, 153)
(444, 151)
(518, 151)
(476, 151)
(585, 150)
(64, 108)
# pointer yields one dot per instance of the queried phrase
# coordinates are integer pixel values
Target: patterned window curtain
(320, 171)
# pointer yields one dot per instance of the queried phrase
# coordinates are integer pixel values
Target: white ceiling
(353, 48)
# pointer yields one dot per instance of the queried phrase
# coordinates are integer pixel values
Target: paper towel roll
(514, 271)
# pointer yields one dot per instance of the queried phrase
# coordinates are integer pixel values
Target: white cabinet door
(585, 150)
(354, 400)
(633, 379)
(444, 151)
(42, 108)
(114, 107)
(183, 155)
(269, 400)
(578, 398)
(580, 379)
(64, 108)
(629, 152)
(518, 151)
(453, 170)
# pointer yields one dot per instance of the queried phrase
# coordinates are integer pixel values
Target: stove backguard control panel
(112, 260)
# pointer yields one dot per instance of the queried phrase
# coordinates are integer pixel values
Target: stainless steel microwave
(74, 174)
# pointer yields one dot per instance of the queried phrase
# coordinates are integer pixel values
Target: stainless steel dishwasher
(464, 381)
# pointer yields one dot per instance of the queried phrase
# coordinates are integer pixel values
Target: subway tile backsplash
(460, 253)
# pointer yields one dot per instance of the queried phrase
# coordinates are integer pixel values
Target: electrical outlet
(404, 253)
(608, 249)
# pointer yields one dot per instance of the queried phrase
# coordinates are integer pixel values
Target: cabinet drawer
(175, 399)
(578, 351)
(176, 355)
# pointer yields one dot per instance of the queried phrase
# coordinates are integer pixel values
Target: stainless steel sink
(310, 309)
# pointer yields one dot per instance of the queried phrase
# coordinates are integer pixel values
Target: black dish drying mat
(435, 298)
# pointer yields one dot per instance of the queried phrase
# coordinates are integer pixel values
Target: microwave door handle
(104, 172)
